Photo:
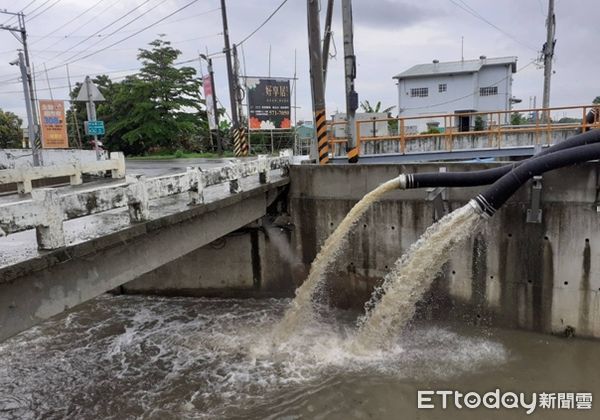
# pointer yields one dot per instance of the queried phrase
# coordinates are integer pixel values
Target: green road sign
(94, 128)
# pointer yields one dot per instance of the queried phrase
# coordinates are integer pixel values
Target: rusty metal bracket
(534, 212)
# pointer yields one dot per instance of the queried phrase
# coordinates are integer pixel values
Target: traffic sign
(94, 128)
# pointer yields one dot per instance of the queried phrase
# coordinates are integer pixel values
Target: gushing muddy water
(125, 357)
(301, 310)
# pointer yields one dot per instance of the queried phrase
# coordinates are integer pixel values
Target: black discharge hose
(488, 176)
(488, 202)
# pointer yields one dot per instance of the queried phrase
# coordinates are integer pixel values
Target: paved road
(159, 167)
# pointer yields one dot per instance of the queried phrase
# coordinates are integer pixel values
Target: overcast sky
(390, 36)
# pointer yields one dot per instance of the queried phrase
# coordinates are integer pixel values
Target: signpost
(54, 127)
(90, 93)
(94, 128)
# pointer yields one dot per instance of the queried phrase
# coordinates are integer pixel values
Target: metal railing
(48, 209)
(447, 130)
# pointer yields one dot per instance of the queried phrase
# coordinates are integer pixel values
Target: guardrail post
(196, 191)
(137, 199)
(24, 186)
(119, 171)
(50, 233)
(75, 178)
(263, 169)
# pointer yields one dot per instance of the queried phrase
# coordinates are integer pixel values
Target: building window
(488, 91)
(442, 87)
(419, 92)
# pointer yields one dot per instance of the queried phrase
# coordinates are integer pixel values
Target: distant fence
(48, 209)
(452, 131)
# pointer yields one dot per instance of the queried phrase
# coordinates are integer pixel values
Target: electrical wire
(102, 29)
(116, 31)
(262, 24)
(43, 11)
(68, 22)
(20, 11)
(464, 6)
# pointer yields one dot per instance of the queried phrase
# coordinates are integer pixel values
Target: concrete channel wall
(543, 277)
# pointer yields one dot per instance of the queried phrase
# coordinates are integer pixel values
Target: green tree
(158, 109)
(367, 107)
(517, 118)
(11, 134)
(168, 111)
(596, 100)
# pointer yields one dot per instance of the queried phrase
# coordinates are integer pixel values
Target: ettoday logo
(504, 400)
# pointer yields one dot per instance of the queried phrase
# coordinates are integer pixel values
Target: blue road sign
(94, 128)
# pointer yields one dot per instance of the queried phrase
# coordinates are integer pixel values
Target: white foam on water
(393, 305)
(301, 310)
(131, 356)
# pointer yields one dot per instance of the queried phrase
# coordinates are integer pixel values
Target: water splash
(393, 305)
(301, 311)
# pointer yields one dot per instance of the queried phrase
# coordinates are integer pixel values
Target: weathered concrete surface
(461, 142)
(249, 262)
(543, 277)
(16, 158)
(41, 284)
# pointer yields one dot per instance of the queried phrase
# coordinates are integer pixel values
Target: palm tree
(366, 106)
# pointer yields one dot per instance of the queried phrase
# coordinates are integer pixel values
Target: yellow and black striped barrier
(352, 154)
(240, 143)
(322, 145)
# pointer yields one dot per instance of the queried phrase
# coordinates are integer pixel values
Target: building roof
(455, 67)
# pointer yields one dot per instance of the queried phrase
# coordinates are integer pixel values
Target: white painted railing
(47, 209)
(23, 176)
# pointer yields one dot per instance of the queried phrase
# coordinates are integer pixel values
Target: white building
(454, 87)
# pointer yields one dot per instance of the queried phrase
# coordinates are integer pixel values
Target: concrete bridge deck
(104, 250)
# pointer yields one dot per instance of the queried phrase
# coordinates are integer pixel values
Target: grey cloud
(389, 14)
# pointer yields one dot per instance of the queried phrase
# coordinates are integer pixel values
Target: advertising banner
(53, 125)
(208, 96)
(268, 103)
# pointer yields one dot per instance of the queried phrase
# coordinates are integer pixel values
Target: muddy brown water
(126, 357)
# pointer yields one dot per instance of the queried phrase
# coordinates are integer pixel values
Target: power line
(103, 28)
(116, 30)
(20, 11)
(70, 21)
(129, 36)
(263, 24)
(43, 11)
(470, 94)
(136, 70)
(464, 6)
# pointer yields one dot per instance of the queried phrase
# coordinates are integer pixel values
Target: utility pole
(548, 51)
(73, 110)
(91, 111)
(350, 74)
(28, 106)
(35, 141)
(241, 132)
(211, 74)
(327, 40)
(240, 146)
(316, 80)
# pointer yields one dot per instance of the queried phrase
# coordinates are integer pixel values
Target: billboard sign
(208, 97)
(53, 124)
(268, 103)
